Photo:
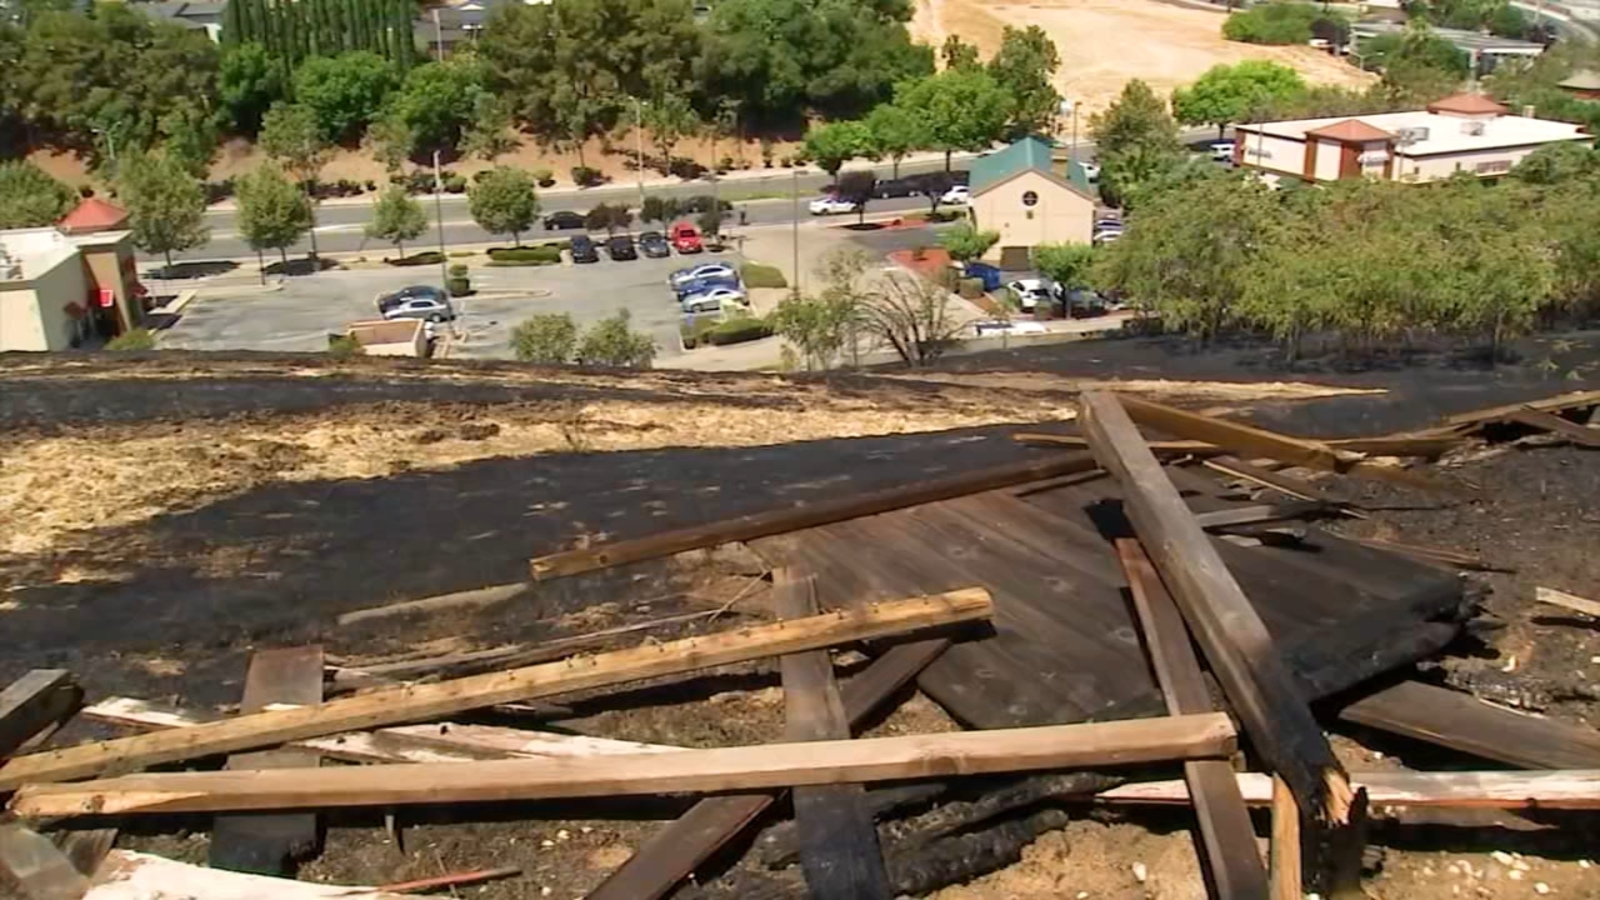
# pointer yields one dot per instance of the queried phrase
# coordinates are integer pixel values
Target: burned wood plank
(1397, 445)
(1237, 437)
(417, 702)
(1552, 789)
(1261, 513)
(839, 851)
(1227, 836)
(1236, 643)
(1464, 723)
(778, 521)
(690, 771)
(1436, 555)
(1582, 435)
(33, 703)
(1283, 484)
(1557, 403)
(270, 843)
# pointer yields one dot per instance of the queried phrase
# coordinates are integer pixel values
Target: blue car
(701, 285)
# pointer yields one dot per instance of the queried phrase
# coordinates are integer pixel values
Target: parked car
(701, 285)
(419, 301)
(704, 270)
(621, 247)
(1029, 292)
(831, 205)
(718, 300)
(1091, 171)
(563, 219)
(1108, 225)
(958, 195)
(685, 238)
(1106, 236)
(989, 275)
(1222, 151)
(1080, 303)
(896, 187)
(653, 245)
(584, 250)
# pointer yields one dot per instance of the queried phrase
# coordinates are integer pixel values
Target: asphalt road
(341, 225)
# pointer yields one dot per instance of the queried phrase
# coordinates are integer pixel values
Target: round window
(1029, 198)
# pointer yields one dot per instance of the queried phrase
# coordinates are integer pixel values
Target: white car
(714, 300)
(958, 195)
(1107, 235)
(1029, 291)
(831, 205)
(1091, 171)
(1222, 151)
(704, 270)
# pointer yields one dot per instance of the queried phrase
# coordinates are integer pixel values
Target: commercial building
(1463, 133)
(59, 290)
(1017, 193)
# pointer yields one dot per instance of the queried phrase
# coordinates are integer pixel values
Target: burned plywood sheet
(1066, 645)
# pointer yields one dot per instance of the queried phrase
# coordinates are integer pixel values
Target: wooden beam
(845, 505)
(412, 703)
(1240, 651)
(1553, 789)
(1466, 724)
(434, 742)
(270, 843)
(140, 876)
(691, 771)
(675, 851)
(1227, 835)
(34, 702)
(1398, 445)
(1567, 601)
(1437, 555)
(1582, 435)
(1283, 484)
(1557, 403)
(1079, 442)
(1286, 868)
(839, 853)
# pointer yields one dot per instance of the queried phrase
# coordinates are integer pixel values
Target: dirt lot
(1104, 43)
(161, 517)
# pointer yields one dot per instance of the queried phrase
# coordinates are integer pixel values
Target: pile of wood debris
(1236, 693)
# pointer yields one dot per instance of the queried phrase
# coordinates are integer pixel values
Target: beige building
(59, 290)
(390, 337)
(1015, 193)
(1464, 133)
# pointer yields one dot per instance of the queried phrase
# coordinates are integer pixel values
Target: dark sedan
(896, 187)
(621, 247)
(583, 250)
(653, 245)
(557, 221)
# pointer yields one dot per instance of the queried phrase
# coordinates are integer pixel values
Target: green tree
(1418, 66)
(1136, 140)
(166, 205)
(30, 198)
(249, 83)
(960, 109)
(1068, 265)
(958, 54)
(345, 92)
(1275, 22)
(669, 119)
(657, 208)
(273, 212)
(504, 201)
(291, 136)
(965, 243)
(832, 145)
(491, 133)
(608, 217)
(547, 339)
(1024, 65)
(437, 102)
(397, 217)
(1557, 163)
(1227, 94)
(613, 344)
(894, 132)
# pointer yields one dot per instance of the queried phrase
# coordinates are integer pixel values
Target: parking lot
(300, 315)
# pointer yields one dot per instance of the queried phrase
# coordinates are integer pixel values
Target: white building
(1464, 133)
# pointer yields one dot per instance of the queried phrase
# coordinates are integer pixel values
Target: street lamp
(1070, 109)
(638, 144)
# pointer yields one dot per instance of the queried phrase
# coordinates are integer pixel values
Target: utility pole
(438, 37)
(438, 222)
(795, 215)
(638, 146)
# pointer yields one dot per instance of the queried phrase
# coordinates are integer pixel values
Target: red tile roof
(93, 214)
(1351, 130)
(1467, 104)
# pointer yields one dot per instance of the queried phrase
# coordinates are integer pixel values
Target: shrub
(344, 346)
(612, 343)
(136, 339)
(549, 338)
(702, 202)
(971, 288)
(694, 329)
(370, 185)
(1272, 23)
(739, 330)
(542, 255)
(462, 254)
(459, 270)
(585, 176)
(544, 177)
(758, 275)
(458, 286)
(425, 258)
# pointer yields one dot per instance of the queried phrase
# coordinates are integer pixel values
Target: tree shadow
(303, 266)
(183, 271)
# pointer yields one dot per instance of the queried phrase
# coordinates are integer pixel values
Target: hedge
(425, 258)
(737, 331)
(542, 255)
(757, 275)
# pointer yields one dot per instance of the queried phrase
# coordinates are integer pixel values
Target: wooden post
(1285, 847)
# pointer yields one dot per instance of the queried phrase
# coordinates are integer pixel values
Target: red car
(686, 238)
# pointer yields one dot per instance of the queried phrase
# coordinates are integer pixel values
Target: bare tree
(913, 316)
